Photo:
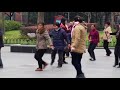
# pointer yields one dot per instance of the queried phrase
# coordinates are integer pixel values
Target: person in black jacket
(1, 45)
(58, 36)
(117, 47)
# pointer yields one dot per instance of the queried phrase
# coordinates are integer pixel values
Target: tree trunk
(40, 17)
(112, 19)
(89, 17)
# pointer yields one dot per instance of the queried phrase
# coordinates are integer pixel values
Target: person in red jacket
(94, 40)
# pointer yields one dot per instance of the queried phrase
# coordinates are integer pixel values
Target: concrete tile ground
(23, 65)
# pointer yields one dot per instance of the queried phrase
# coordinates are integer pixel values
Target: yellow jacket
(107, 32)
(79, 39)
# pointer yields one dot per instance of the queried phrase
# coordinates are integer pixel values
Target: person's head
(78, 19)
(93, 26)
(63, 21)
(56, 25)
(107, 24)
(40, 25)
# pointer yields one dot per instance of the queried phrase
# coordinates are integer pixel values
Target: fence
(33, 42)
(20, 41)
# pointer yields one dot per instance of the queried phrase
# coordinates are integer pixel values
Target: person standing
(1, 45)
(59, 38)
(117, 47)
(64, 26)
(107, 38)
(94, 40)
(41, 45)
(78, 46)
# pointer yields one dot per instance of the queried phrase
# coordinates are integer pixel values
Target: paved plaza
(23, 65)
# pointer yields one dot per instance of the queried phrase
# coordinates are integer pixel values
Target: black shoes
(1, 66)
(91, 59)
(51, 63)
(109, 54)
(114, 65)
(118, 67)
(64, 62)
(59, 66)
(80, 76)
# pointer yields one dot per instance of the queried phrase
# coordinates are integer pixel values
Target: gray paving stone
(23, 65)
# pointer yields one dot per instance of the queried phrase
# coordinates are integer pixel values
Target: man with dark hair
(1, 45)
(78, 45)
(58, 36)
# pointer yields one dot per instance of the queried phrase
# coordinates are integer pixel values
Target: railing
(33, 42)
(20, 41)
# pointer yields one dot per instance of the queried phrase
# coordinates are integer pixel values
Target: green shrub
(12, 25)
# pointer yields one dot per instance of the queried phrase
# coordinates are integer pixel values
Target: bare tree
(40, 17)
(10, 15)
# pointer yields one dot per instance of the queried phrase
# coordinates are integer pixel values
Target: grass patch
(13, 34)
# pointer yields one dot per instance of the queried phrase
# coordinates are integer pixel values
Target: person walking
(78, 46)
(59, 38)
(94, 40)
(1, 45)
(41, 45)
(107, 38)
(117, 47)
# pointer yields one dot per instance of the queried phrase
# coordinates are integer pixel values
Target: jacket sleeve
(98, 37)
(77, 37)
(47, 37)
(66, 37)
(114, 33)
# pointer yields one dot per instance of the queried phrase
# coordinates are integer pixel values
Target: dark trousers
(1, 64)
(117, 55)
(40, 54)
(60, 55)
(67, 54)
(105, 45)
(76, 62)
(91, 48)
(64, 55)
